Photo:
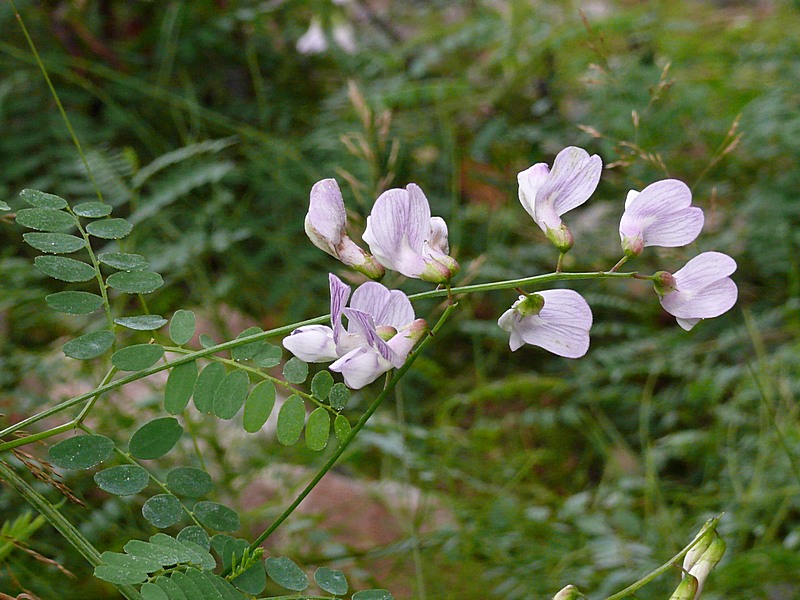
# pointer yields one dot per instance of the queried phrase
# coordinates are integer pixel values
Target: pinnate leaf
(74, 303)
(181, 328)
(206, 386)
(189, 481)
(163, 510)
(341, 427)
(216, 516)
(45, 219)
(124, 261)
(156, 438)
(339, 396)
(142, 322)
(92, 210)
(134, 282)
(268, 356)
(180, 385)
(318, 429)
(42, 199)
(258, 406)
(122, 480)
(286, 573)
(90, 345)
(248, 350)
(109, 229)
(80, 451)
(137, 357)
(230, 394)
(321, 385)
(54, 243)
(331, 581)
(295, 370)
(291, 419)
(63, 268)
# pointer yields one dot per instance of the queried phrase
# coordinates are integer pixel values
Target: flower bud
(686, 590)
(529, 305)
(561, 238)
(568, 593)
(664, 283)
(707, 561)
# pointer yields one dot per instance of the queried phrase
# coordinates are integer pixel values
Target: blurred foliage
(206, 128)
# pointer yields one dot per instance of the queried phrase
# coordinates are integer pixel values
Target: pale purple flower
(547, 194)
(660, 215)
(556, 320)
(700, 290)
(403, 236)
(325, 226)
(380, 332)
(313, 41)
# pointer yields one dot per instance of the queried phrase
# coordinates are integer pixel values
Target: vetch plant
(383, 335)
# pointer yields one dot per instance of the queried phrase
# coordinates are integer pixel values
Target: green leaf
(74, 303)
(163, 510)
(64, 269)
(203, 585)
(142, 322)
(134, 282)
(90, 345)
(258, 406)
(4, 206)
(137, 357)
(181, 328)
(42, 199)
(109, 229)
(45, 219)
(291, 419)
(373, 595)
(122, 480)
(322, 384)
(206, 386)
(92, 210)
(206, 341)
(172, 589)
(150, 591)
(124, 261)
(341, 427)
(190, 552)
(230, 394)
(180, 385)
(286, 573)
(268, 356)
(216, 516)
(54, 243)
(248, 350)
(318, 429)
(331, 581)
(155, 439)
(189, 481)
(220, 544)
(339, 396)
(163, 555)
(119, 575)
(295, 370)
(253, 580)
(128, 561)
(185, 585)
(196, 535)
(80, 452)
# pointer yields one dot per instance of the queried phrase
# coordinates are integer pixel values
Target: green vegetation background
(535, 471)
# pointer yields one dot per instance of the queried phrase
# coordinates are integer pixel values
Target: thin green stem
(60, 523)
(617, 266)
(355, 430)
(85, 411)
(61, 110)
(628, 591)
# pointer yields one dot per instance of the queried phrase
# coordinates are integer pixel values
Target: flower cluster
(403, 236)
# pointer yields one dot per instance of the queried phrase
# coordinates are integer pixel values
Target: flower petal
(363, 323)
(326, 218)
(703, 269)
(573, 178)
(387, 307)
(311, 343)
(509, 321)
(704, 303)
(530, 180)
(662, 214)
(340, 292)
(395, 231)
(361, 367)
(562, 326)
(437, 239)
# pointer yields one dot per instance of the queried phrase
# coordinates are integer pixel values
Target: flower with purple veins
(660, 215)
(556, 320)
(702, 289)
(404, 237)
(547, 194)
(380, 333)
(325, 226)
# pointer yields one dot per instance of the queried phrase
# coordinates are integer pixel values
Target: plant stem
(354, 431)
(60, 523)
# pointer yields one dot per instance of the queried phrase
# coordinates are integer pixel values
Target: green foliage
(189, 481)
(230, 394)
(291, 418)
(137, 357)
(180, 386)
(80, 451)
(122, 480)
(181, 327)
(163, 510)
(154, 439)
(258, 406)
